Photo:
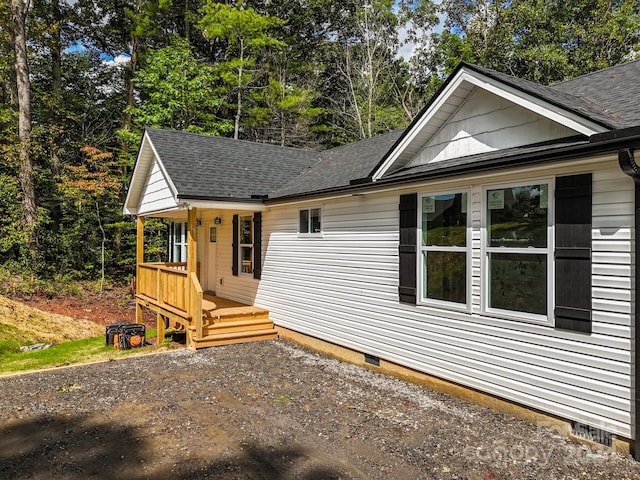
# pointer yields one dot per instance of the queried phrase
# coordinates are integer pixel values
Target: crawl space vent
(372, 360)
(591, 433)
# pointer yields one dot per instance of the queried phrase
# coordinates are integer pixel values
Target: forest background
(80, 79)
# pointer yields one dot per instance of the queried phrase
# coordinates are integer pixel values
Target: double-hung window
(443, 263)
(310, 221)
(178, 242)
(246, 244)
(518, 259)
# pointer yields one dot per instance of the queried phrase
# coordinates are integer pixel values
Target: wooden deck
(175, 294)
(225, 322)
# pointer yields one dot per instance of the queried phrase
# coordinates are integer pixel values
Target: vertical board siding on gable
(156, 193)
(484, 123)
(343, 288)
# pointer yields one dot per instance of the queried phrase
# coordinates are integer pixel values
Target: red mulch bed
(109, 306)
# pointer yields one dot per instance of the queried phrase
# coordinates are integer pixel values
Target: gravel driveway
(268, 410)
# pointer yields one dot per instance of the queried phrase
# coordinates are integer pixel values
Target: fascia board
(222, 205)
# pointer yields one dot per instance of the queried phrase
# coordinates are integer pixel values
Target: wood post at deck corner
(192, 250)
(139, 260)
(160, 329)
(192, 262)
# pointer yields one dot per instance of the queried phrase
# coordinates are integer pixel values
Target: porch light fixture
(217, 220)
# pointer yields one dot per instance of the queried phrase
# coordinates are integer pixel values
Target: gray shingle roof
(340, 165)
(565, 98)
(218, 168)
(616, 90)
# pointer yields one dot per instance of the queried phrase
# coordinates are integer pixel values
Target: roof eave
(598, 144)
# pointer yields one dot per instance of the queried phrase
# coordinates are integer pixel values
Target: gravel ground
(267, 410)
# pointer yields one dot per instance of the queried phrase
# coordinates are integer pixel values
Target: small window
(213, 234)
(246, 244)
(518, 253)
(443, 245)
(178, 250)
(310, 221)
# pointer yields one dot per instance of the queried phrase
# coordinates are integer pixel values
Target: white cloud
(117, 61)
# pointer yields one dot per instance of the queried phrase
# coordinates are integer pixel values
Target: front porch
(173, 291)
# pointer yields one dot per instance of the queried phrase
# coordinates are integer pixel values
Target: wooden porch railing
(169, 286)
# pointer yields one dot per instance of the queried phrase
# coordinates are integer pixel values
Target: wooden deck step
(233, 337)
(234, 313)
(237, 325)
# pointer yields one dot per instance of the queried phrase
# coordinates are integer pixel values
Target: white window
(246, 244)
(310, 221)
(178, 242)
(444, 253)
(517, 250)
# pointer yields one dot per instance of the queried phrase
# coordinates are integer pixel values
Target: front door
(212, 257)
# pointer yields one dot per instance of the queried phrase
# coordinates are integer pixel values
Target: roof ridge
(229, 139)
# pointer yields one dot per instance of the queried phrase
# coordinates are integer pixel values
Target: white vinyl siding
(342, 288)
(156, 194)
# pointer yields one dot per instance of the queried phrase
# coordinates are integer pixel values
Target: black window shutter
(257, 245)
(573, 252)
(408, 247)
(235, 246)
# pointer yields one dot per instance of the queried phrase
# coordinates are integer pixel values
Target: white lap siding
(156, 192)
(342, 288)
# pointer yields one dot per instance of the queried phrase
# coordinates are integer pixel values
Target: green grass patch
(66, 353)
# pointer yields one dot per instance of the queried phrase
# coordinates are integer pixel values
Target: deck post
(192, 262)
(160, 329)
(192, 241)
(139, 260)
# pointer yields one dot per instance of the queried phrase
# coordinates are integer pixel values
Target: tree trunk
(19, 9)
(236, 126)
(56, 80)
(129, 82)
(102, 248)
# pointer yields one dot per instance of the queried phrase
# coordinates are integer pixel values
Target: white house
(490, 246)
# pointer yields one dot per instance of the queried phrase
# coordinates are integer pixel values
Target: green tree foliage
(286, 110)
(312, 74)
(246, 33)
(545, 40)
(178, 92)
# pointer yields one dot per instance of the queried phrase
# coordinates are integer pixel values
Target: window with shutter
(573, 214)
(408, 247)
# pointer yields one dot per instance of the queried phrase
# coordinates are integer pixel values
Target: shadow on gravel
(78, 448)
